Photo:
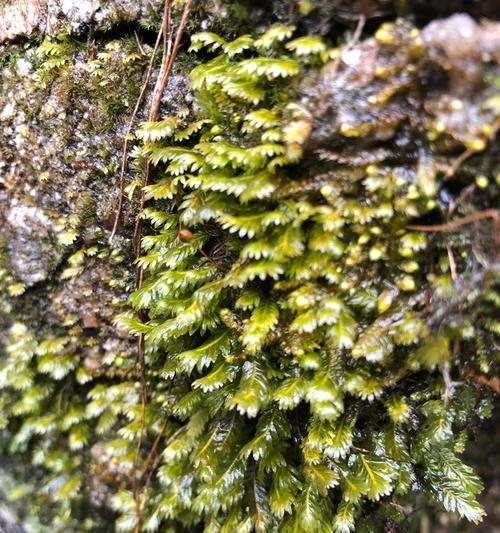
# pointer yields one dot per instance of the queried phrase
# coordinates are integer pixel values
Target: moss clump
(60, 280)
(310, 358)
(301, 336)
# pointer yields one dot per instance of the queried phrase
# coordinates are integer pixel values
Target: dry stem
(169, 54)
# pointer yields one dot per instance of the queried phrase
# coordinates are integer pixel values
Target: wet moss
(371, 137)
(292, 287)
(68, 103)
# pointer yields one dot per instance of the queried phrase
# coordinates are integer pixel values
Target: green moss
(76, 97)
(287, 308)
(299, 335)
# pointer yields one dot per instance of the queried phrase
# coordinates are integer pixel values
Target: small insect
(188, 236)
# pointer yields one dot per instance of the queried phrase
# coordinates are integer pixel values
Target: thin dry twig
(451, 257)
(156, 462)
(357, 32)
(139, 44)
(448, 384)
(338, 60)
(188, 236)
(169, 54)
(164, 30)
(453, 264)
(460, 160)
(456, 224)
(124, 159)
(152, 452)
(452, 169)
(483, 381)
(462, 197)
(352, 42)
(169, 58)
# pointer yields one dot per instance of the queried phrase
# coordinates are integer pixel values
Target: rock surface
(23, 18)
(30, 243)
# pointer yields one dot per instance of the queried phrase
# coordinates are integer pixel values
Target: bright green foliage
(307, 45)
(296, 344)
(44, 394)
(305, 375)
(446, 477)
(55, 54)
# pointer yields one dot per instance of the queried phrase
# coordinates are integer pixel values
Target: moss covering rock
(321, 274)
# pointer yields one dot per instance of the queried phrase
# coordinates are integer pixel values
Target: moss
(307, 330)
(60, 277)
(300, 337)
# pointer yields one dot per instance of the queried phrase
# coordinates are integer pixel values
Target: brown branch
(448, 384)
(188, 236)
(456, 224)
(164, 30)
(166, 68)
(461, 198)
(452, 169)
(139, 44)
(155, 458)
(352, 42)
(124, 159)
(167, 63)
(483, 381)
(469, 152)
(154, 448)
(169, 54)
(135, 488)
(357, 32)
(445, 371)
(453, 264)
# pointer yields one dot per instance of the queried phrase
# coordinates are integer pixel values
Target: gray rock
(22, 18)
(31, 250)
